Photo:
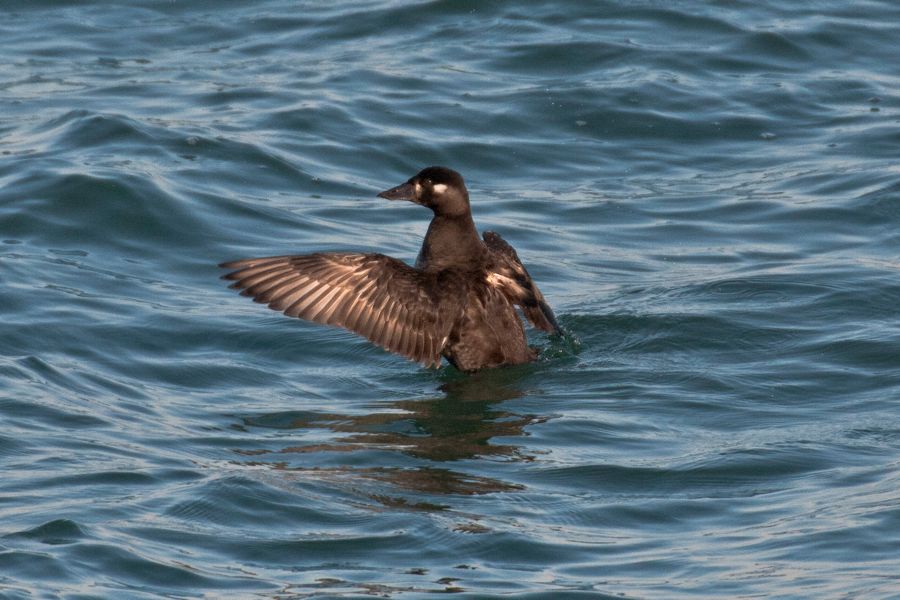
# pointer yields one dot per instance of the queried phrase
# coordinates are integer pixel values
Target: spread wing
(510, 275)
(376, 296)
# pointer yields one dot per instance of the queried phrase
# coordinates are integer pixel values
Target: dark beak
(407, 191)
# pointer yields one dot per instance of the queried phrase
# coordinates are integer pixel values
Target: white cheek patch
(418, 188)
(439, 188)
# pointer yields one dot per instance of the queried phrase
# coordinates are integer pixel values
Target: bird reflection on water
(455, 426)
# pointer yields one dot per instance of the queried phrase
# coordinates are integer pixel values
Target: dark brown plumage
(458, 301)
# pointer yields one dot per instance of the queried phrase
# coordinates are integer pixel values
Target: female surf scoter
(458, 302)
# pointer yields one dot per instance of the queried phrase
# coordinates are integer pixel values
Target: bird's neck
(451, 241)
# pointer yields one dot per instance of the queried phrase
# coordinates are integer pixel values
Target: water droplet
(767, 135)
(581, 123)
(193, 141)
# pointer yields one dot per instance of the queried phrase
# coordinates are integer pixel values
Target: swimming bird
(457, 302)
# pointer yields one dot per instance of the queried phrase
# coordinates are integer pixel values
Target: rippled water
(707, 193)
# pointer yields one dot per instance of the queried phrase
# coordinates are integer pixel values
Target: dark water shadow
(438, 433)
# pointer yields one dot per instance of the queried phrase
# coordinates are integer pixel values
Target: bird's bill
(406, 191)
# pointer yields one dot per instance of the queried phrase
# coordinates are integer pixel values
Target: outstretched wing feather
(514, 281)
(376, 296)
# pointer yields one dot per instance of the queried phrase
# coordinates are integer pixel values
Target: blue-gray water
(708, 194)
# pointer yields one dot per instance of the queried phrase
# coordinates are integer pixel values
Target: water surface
(707, 193)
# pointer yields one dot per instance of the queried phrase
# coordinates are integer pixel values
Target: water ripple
(707, 194)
